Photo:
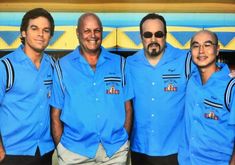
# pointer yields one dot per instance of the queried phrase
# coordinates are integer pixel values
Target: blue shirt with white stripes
(158, 97)
(92, 104)
(209, 133)
(24, 109)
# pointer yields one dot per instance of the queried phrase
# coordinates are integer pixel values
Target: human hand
(232, 74)
(2, 154)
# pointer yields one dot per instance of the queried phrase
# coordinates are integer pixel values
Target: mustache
(154, 44)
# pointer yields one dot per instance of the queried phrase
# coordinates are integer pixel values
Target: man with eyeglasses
(209, 133)
(156, 76)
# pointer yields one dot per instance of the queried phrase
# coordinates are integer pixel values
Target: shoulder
(68, 57)
(10, 56)
(176, 52)
(135, 57)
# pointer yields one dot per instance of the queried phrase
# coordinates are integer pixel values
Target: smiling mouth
(202, 58)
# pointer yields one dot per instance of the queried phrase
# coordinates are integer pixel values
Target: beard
(156, 51)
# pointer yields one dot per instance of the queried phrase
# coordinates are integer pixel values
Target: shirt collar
(169, 54)
(224, 70)
(104, 55)
(21, 56)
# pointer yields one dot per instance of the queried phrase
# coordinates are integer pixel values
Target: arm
(2, 151)
(232, 161)
(56, 125)
(128, 120)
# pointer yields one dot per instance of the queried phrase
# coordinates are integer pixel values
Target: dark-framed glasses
(158, 34)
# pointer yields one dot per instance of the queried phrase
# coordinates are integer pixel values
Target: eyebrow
(37, 26)
(208, 41)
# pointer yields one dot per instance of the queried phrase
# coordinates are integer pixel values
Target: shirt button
(152, 115)
(96, 99)
(98, 116)
(94, 84)
(152, 131)
(153, 99)
(153, 83)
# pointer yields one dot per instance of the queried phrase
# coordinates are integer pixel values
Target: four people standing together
(181, 110)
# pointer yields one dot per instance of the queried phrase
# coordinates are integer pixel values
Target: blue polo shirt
(24, 110)
(209, 126)
(92, 105)
(158, 98)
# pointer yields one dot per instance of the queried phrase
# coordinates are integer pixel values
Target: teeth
(93, 41)
(202, 58)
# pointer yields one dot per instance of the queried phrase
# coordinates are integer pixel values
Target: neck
(153, 60)
(35, 57)
(92, 58)
(207, 72)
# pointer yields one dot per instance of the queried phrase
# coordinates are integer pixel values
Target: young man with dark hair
(25, 89)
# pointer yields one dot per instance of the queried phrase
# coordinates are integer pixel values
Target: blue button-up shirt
(24, 110)
(158, 97)
(209, 135)
(92, 105)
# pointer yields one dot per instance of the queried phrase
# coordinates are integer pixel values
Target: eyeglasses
(206, 45)
(158, 34)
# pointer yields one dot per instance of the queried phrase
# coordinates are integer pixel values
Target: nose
(201, 48)
(153, 38)
(93, 33)
(40, 32)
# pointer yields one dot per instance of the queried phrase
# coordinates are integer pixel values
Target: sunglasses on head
(158, 34)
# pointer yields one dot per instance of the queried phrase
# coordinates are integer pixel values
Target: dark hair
(32, 14)
(153, 16)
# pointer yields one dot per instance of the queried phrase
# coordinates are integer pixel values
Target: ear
(217, 50)
(77, 31)
(23, 34)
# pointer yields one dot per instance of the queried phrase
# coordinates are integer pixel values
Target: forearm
(2, 151)
(128, 120)
(56, 125)
(232, 161)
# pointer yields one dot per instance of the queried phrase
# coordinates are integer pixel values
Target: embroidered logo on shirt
(171, 76)
(170, 88)
(212, 104)
(47, 82)
(211, 115)
(112, 90)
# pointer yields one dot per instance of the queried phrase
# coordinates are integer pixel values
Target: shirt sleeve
(128, 88)
(2, 81)
(57, 96)
(232, 108)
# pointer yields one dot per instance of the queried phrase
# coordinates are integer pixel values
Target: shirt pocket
(213, 111)
(113, 85)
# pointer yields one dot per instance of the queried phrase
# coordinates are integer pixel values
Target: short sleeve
(232, 108)
(2, 81)
(128, 88)
(57, 96)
